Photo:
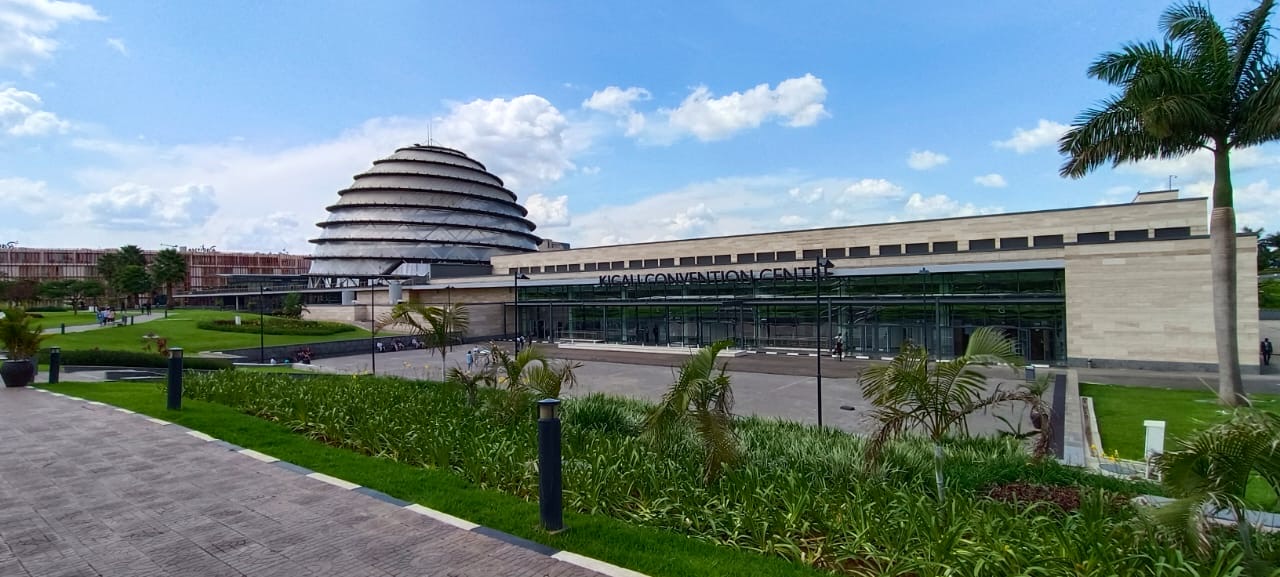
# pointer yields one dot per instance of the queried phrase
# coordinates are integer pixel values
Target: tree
(292, 307)
(527, 376)
(112, 264)
(86, 289)
(56, 290)
(133, 280)
(1211, 471)
(1200, 88)
(168, 269)
(1269, 294)
(909, 394)
(439, 327)
(23, 290)
(1267, 252)
(700, 397)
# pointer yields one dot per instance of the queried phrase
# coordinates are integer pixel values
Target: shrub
(277, 326)
(101, 358)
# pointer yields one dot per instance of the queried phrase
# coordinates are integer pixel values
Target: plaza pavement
(86, 489)
(788, 390)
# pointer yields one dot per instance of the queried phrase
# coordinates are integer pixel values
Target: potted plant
(22, 341)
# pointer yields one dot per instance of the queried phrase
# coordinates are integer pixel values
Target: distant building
(548, 244)
(206, 269)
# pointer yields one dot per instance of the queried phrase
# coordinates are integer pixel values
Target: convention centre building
(1122, 285)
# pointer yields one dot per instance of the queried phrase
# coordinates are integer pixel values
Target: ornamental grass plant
(796, 492)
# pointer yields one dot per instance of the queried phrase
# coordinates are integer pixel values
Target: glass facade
(873, 314)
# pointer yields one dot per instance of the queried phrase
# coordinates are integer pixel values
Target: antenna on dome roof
(430, 126)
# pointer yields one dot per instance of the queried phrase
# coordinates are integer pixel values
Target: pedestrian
(839, 351)
(1266, 351)
(471, 360)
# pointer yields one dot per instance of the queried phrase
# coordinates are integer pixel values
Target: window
(1093, 237)
(764, 257)
(859, 251)
(1048, 240)
(947, 246)
(723, 259)
(835, 253)
(561, 268)
(1173, 232)
(981, 244)
(650, 263)
(746, 258)
(1013, 242)
(918, 248)
(575, 267)
(786, 255)
(635, 264)
(812, 253)
(589, 266)
(617, 265)
(512, 271)
(1131, 234)
(890, 249)
(704, 260)
(524, 270)
(686, 261)
(666, 262)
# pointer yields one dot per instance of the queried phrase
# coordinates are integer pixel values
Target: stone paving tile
(88, 490)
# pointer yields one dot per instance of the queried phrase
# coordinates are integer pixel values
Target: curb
(571, 558)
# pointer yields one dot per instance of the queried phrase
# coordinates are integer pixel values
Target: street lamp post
(373, 334)
(924, 306)
(517, 277)
(818, 272)
(262, 331)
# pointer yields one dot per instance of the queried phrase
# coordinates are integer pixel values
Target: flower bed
(799, 493)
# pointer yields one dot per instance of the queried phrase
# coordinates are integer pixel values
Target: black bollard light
(64, 328)
(549, 481)
(55, 364)
(175, 379)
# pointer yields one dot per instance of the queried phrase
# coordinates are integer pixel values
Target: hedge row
(101, 358)
(277, 326)
(48, 309)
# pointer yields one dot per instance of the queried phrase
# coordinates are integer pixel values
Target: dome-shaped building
(422, 205)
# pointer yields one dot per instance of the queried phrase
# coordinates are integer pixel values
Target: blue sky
(234, 123)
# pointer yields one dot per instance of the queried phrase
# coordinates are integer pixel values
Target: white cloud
(871, 189)
(1046, 133)
(926, 159)
(795, 102)
(691, 220)
(615, 100)
(810, 197)
(276, 232)
(548, 212)
(27, 27)
(941, 206)
(590, 170)
(525, 140)
(21, 114)
(992, 180)
(792, 220)
(24, 198)
(117, 44)
(133, 206)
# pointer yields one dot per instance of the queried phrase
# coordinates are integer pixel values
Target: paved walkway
(137, 318)
(89, 490)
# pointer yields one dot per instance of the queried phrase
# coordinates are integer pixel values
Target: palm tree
(438, 326)
(527, 376)
(910, 395)
(167, 269)
(1201, 88)
(701, 397)
(1210, 473)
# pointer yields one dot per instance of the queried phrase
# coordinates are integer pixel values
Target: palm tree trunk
(168, 296)
(1222, 234)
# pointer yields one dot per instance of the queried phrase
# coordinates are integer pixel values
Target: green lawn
(180, 330)
(53, 320)
(657, 553)
(1121, 410)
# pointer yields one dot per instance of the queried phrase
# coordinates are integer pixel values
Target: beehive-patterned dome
(421, 205)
